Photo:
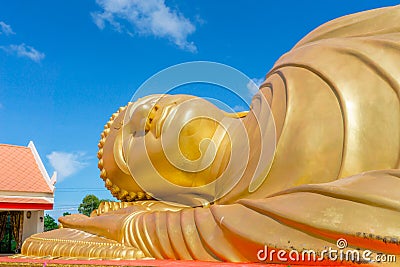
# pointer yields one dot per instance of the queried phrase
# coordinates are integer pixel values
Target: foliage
(89, 204)
(8, 244)
(66, 213)
(106, 200)
(49, 223)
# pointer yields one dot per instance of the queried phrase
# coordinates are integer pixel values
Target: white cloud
(254, 84)
(239, 108)
(67, 164)
(150, 17)
(5, 28)
(24, 50)
(21, 50)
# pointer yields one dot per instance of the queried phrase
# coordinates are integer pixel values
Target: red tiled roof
(27, 200)
(20, 172)
(25, 203)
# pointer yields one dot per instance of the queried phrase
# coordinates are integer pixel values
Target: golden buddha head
(180, 146)
(183, 148)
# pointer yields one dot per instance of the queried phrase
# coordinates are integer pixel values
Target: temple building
(26, 191)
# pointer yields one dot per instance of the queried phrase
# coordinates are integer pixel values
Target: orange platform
(43, 262)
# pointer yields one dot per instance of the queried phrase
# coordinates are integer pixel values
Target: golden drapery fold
(363, 209)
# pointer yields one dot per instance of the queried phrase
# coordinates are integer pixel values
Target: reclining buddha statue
(334, 173)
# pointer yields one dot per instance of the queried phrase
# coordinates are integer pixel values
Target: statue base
(19, 260)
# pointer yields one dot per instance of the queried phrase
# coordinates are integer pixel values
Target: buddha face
(180, 141)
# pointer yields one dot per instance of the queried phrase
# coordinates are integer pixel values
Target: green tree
(89, 204)
(66, 213)
(49, 223)
(106, 200)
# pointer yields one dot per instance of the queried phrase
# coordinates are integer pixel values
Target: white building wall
(33, 225)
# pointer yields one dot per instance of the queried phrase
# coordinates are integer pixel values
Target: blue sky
(66, 66)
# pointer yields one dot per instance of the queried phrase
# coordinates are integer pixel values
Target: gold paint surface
(335, 99)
